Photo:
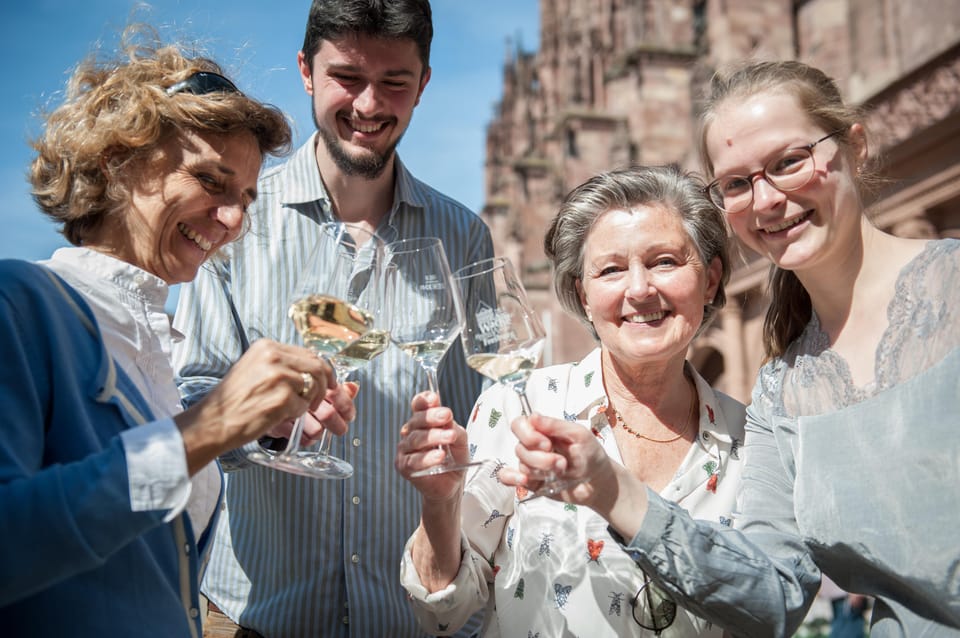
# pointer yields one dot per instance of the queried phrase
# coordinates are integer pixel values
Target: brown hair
(115, 115)
(817, 94)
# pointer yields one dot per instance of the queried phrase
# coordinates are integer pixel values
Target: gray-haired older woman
(640, 256)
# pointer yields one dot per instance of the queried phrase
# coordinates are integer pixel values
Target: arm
(756, 580)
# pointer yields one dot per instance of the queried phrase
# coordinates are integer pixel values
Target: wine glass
(328, 311)
(502, 335)
(420, 283)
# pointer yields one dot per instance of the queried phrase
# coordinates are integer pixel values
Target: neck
(863, 278)
(662, 389)
(357, 199)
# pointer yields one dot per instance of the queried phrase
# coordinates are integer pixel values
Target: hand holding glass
(328, 312)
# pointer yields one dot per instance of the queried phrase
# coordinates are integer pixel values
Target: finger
(424, 401)
(329, 418)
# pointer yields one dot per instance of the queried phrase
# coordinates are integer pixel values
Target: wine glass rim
(483, 267)
(412, 244)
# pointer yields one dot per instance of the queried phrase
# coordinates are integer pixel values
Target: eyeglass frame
(650, 589)
(204, 83)
(751, 178)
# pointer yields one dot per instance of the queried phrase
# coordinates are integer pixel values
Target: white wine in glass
(502, 335)
(328, 311)
(425, 319)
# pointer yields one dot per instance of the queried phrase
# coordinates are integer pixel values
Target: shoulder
(418, 193)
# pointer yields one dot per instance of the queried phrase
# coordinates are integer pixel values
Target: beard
(369, 165)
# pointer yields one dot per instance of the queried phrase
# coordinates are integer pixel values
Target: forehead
(370, 53)
(635, 228)
(746, 128)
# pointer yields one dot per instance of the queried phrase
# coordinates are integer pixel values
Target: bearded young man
(294, 556)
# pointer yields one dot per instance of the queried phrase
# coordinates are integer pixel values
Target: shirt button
(356, 442)
(186, 548)
(355, 500)
(346, 620)
(355, 559)
(706, 436)
(194, 612)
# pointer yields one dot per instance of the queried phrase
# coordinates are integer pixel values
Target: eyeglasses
(651, 608)
(202, 83)
(791, 170)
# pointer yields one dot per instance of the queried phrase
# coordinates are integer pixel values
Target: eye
(733, 185)
(209, 182)
(345, 80)
(792, 161)
(665, 262)
(396, 85)
(609, 270)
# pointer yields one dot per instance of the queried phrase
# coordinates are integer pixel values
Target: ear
(858, 142)
(714, 273)
(583, 301)
(306, 75)
(423, 84)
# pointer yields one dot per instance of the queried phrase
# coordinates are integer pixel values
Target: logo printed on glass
(432, 282)
(494, 325)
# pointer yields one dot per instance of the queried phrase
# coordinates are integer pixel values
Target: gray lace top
(861, 482)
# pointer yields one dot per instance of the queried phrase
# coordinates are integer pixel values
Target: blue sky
(257, 42)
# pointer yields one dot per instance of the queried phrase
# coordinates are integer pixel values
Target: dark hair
(397, 19)
(626, 188)
(117, 113)
(818, 95)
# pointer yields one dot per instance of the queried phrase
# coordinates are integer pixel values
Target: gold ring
(307, 384)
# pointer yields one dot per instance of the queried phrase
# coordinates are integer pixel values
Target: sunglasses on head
(202, 83)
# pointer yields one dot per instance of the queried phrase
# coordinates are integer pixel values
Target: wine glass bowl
(336, 305)
(426, 316)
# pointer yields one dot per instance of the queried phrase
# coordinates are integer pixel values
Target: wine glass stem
(293, 443)
(326, 439)
(431, 378)
(524, 402)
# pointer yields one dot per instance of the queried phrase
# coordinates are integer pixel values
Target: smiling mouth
(787, 223)
(365, 127)
(646, 318)
(195, 237)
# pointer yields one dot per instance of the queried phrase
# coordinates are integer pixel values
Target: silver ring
(307, 384)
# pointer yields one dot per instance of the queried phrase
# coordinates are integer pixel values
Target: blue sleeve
(63, 495)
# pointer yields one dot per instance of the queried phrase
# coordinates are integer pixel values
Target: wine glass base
(554, 488)
(308, 464)
(443, 468)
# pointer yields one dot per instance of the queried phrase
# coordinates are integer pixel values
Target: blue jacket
(74, 559)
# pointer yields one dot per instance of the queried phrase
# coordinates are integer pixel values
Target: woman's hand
(271, 384)
(419, 448)
(334, 413)
(573, 453)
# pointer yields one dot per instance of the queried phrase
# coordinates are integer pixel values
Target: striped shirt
(298, 556)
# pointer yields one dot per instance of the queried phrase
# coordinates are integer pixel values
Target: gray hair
(627, 188)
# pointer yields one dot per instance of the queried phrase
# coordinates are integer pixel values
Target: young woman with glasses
(851, 447)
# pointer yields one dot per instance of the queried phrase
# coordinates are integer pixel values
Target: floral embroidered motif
(593, 550)
(552, 384)
(494, 515)
(712, 483)
(710, 413)
(726, 522)
(562, 593)
(616, 598)
(518, 592)
(476, 410)
(569, 416)
(569, 507)
(713, 470)
(545, 540)
(510, 533)
(495, 415)
(473, 450)
(587, 379)
(495, 472)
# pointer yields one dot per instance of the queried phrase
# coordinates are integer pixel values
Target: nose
(765, 195)
(639, 283)
(367, 100)
(230, 215)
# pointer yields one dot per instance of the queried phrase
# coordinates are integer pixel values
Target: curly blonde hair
(114, 117)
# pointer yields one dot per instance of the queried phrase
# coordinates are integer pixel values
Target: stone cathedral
(617, 81)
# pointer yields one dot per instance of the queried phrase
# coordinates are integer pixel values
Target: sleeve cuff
(445, 598)
(157, 468)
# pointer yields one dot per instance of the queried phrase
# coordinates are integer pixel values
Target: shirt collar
(302, 184)
(146, 286)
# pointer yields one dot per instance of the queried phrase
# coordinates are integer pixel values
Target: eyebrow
(352, 68)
